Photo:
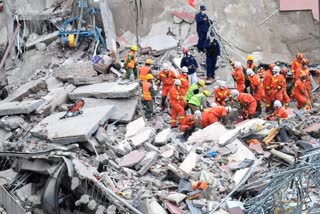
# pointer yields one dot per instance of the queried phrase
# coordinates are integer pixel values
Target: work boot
(163, 103)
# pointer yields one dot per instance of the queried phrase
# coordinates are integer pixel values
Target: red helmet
(299, 56)
(185, 50)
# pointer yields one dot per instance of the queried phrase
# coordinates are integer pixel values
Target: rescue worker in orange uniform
(267, 82)
(221, 93)
(296, 66)
(148, 93)
(318, 75)
(183, 77)
(130, 64)
(214, 114)
(286, 98)
(251, 64)
(167, 77)
(74, 110)
(299, 93)
(306, 71)
(177, 104)
(239, 77)
(145, 70)
(278, 86)
(256, 87)
(247, 102)
(279, 111)
(189, 123)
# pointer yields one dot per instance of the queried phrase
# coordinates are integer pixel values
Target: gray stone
(23, 107)
(26, 191)
(212, 132)
(53, 83)
(134, 127)
(41, 46)
(106, 90)
(148, 161)
(159, 42)
(47, 39)
(74, 129)
(146, 134)
(102, 136)
(176, 197)
(189, 162)
(11, 122)
(72, 71)
(4, 135)
(78, 81)
(151, 206)
(127, 106)
(132, 158)
(7, 176)
(112, 209)
(162, 137)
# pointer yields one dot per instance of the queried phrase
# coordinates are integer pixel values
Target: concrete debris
(53, 83)
(41, 46)
(84, 70)
(162, 137)
(147, 162)
(189, 163)
(159, 42)
(132, 158)
(176, 197)
(45, 39)
(185, 13)
(144, 135)
(134, 127)
(23, 107)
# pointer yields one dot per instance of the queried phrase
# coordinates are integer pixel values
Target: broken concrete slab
(162, 137)
(148, 161)
(106, 90)
(242, 153)
(53, 83)
(74, 129)
(71, 71)
(151, 206)
(212, 132)
(7, 176)
(146, 134)
(185, 13)
(127, 106)
(132, 158)
(189, 162)
(79, 81)
(176, 197)
(159, 42)
(11, 122)
(47, 39)
(23, 107)
(134, 127)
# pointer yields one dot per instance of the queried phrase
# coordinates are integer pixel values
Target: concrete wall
(291, 5)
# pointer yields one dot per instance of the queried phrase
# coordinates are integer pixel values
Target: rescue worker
(212, 53)
(177, 104)
(214, 114)
(183, 77)
(267, 82)
(278, 86)
(257, 88)
(130, 64)
(299, 93)
(199, 101)
(191, 63)
(148, 93)
(306, 71)
(318, 76)
(145, 70)
(74, 110)
(286, 98)
(296, 66)
(247, 102)
(251, 64)
(279, 112)
(194, 89)
(203, 25)
(166, 76)
(221, 93)
(189, 124)
(239, 77)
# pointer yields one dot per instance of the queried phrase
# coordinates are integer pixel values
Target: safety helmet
(213, 104)
(165, 66)
(149, 77)
(206, 93)
(250, 58)
(237, 64)
(305, 61)
(271, 66)
(185, 50)
(228, 109)
(250, 72)
(177, 82)
(134, 48)
(222, 84)
(276, 70)
(201, 83)
(235, 94)
(299, 56)
(197, 114)
(203, 7)
(277, 104)
(184, 69)
(149, 61)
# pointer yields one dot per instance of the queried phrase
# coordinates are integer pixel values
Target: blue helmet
(203, 7)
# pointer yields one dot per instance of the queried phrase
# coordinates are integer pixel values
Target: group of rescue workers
(185, 91)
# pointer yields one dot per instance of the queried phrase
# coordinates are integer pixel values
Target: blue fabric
(203, 7)
(202, 25)
(202, 39)
(212, 48)
(211, 66)
(188, 60)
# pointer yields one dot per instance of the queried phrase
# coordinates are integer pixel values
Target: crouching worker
(148, 95)
(279, 114)
(247, 102)
(199, 101)
(189, 123)
(74, 110)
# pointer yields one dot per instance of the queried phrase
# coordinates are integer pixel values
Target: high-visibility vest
(143, 72)
(190, 93)
(146, 91)
(132, 63)
(196, 99)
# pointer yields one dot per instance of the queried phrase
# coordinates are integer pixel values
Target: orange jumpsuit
(277, 88)
(286, 98)
(281, 113)
(306, 71)
(257, 87)
(252, 66)
(184, 83)
(221, 95)
(177, 104)
(296, 68)
(167, 79)
(239, 78)
(267, 82)
(248, 103)
(299, 93)
(212, 115)
(77, 107)
(188, 122)
(318, 76)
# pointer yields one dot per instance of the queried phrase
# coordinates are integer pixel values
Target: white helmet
(250, 72)
(277, 104)
(177, 82)
(184, 69)
(228, 108)
(222, 84)
(276, 70)
(235, 94)
(237, 64)
(213, 104)
(165, 66)
(197, 114)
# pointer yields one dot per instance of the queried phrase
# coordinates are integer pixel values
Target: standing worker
(300, 93)
(251, 64)
(177, 104)
(267, 83)
(203, 25)
(278, 85)
(130, 64)
(166, 76)
(239, 77)
(306, 71)
(145, 70)
(183, 77)
(194, 89)
(296, 66)
(189, 123)
(191, 63)
(318, 75)
(247, 102)
(257, 88)
(199, 101)
(221, 93)
(212, 53)
(148, 95)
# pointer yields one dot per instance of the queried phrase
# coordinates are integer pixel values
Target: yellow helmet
(134, 48)
(206, 93)
(250, 57)
(149, 61)
(149, 77)
(201, 83)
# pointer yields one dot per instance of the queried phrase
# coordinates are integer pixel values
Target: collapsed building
(110, 159)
